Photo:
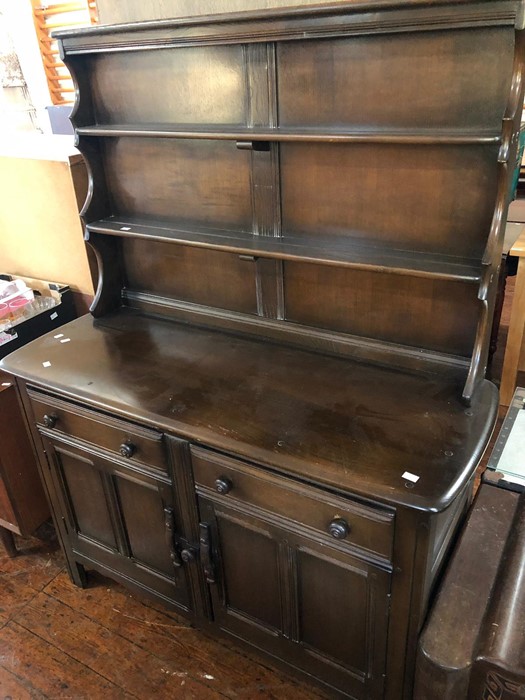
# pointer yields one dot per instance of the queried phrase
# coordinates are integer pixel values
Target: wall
(115, 11)
(18, 17)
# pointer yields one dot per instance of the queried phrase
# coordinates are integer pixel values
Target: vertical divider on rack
(261, 103)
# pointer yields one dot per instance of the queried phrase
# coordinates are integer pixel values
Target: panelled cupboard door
(320, 607)
(121, 519)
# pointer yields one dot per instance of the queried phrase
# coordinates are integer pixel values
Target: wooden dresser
(272, 419)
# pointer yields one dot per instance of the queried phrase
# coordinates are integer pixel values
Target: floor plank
(169, 637)
(14, 595)
(14, 688)
(114, 658)
(46, 671)
(24, 576)
(112, 636)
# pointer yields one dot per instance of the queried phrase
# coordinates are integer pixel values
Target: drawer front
(230, 481)
(133, 442)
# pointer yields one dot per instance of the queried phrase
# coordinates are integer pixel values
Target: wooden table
(515, 353)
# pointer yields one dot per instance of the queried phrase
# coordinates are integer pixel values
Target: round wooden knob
(127, 449)
(223, 485)
(50, 421)
(187, 556)
(338, 528)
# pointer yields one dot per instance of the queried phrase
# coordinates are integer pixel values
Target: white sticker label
(53, 316)
(66, 340)
(410, 477)
(125, 228)
(46, 364)
(6, 384)
(58, 335)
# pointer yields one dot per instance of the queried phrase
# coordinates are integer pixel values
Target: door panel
(143, 517)
(343, 607)
(85, 496)
(332, 599)
(250, 556)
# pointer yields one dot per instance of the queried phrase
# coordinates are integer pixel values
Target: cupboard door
(121, 520)
(316, 604)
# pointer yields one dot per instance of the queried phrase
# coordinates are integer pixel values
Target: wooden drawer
(138, 444)
(227, 480)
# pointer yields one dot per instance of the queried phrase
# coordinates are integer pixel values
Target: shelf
(342, 251)
(291, 134)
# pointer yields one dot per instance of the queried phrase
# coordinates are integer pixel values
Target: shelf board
(342, 251)
(295, 134)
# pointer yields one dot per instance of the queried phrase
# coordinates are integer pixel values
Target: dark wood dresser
(272, 419)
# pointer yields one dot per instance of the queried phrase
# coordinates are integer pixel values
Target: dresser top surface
(345, 425)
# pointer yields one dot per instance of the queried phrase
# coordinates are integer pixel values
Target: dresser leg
(8, 540)
(77, 574)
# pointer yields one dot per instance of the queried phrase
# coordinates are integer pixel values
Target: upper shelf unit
(364, 135)
(357, 141)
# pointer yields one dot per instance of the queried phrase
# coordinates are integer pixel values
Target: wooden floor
(60, 642)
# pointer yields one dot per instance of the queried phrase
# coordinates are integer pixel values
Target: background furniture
(53, 306)
(273, 420)
(482, 595)
(472, 646)
(42, 238)
(23, 506)
(506, 465)
(513, 231)
(515, 350)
